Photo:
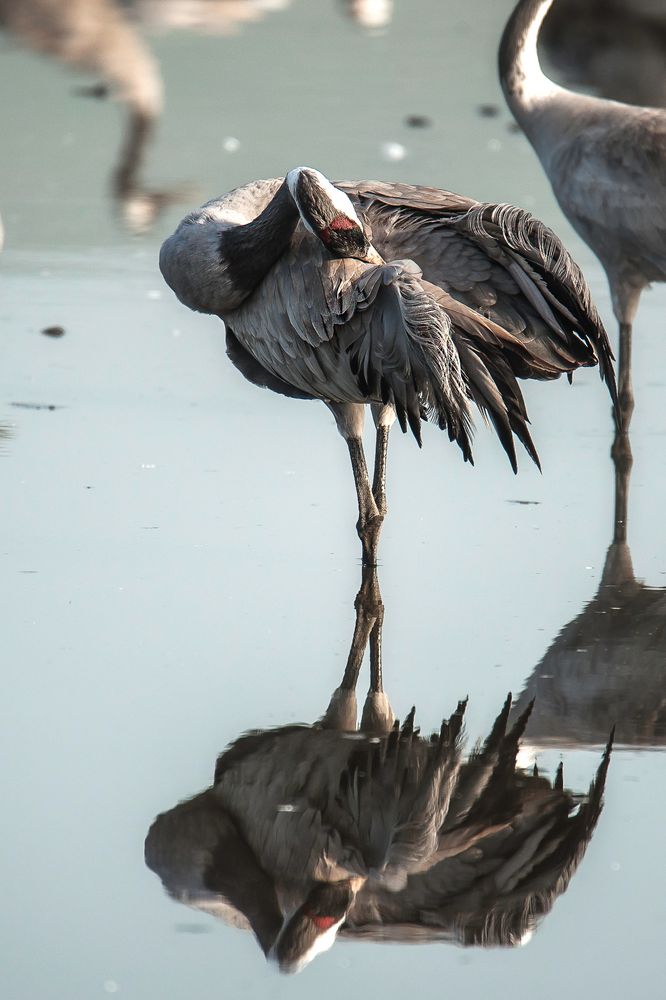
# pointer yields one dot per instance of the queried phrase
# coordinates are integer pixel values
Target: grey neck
(526, 87)
(250, 251)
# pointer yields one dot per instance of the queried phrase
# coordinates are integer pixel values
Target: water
(179, 556)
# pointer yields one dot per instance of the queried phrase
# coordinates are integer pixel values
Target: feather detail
(400, 347)
(535, 246)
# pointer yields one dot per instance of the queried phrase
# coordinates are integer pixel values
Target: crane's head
(330, 215)
(312, 929)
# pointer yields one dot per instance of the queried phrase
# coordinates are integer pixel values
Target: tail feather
(547, 273)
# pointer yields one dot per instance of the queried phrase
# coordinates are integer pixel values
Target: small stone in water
(54, 331)
(418, 121)
(96, 90)
(488, 110)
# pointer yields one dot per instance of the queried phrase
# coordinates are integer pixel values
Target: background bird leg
(621, 450)
(625, 385)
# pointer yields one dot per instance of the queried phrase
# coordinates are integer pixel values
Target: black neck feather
(250, 251)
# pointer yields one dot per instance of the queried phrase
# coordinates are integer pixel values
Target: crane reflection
(375, 832)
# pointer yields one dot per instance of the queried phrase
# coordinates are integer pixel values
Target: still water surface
(179, 556)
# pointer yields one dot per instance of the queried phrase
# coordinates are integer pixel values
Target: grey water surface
(179, 554)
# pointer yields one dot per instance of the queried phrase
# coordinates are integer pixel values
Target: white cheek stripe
(321, 943)
(338, 199)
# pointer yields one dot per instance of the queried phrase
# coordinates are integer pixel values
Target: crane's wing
(347, 331)
(255, 372)
(498, 260)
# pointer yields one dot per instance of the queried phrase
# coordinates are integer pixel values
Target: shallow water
(179, 555)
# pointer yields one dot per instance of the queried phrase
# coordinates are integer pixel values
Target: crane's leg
(621, 450)
(350, 418)
(370, 520)
(625, 389)
(383, 417)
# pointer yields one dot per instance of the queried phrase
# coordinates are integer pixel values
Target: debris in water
(37, 406)
(54, 331)
(97, 90)
(489, 110)
(418, 121)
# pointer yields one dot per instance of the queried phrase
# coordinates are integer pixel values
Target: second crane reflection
(607, 665)
(310, 831)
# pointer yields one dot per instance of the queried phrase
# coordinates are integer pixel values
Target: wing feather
(497, 259)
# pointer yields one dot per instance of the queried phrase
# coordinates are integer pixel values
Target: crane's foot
(369, 532)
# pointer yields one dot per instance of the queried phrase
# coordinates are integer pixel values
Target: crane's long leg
(369, 524)
(383, 417)
(350, 418)
(625, 389)
(621, 450)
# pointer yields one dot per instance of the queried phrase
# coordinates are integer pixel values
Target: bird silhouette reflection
(309, 831)
(608, 666)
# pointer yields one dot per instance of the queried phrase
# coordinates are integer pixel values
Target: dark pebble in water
(54, 331)
(36, 406)
(488, 110)
(97, 90)
(418, 121)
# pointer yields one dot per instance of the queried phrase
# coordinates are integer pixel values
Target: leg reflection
(377, 715)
